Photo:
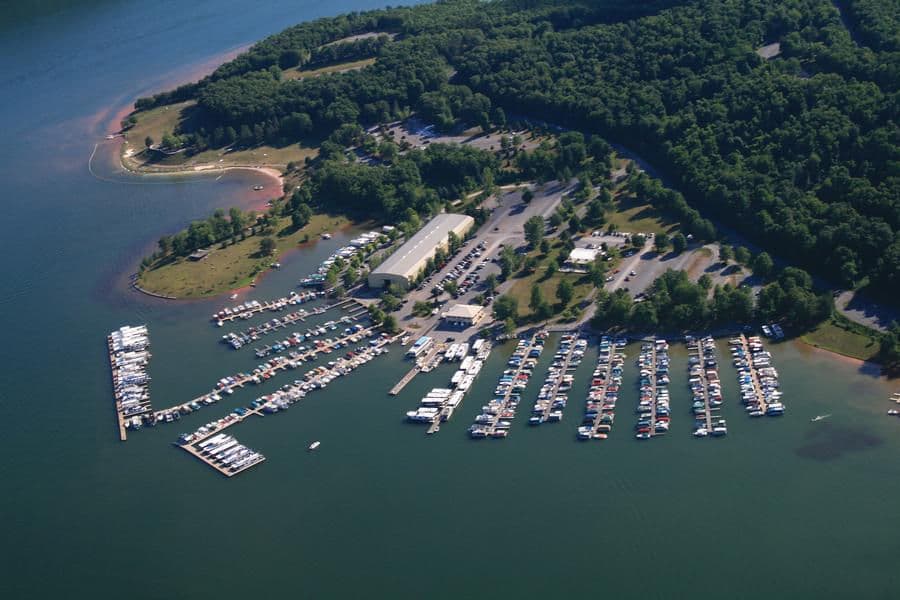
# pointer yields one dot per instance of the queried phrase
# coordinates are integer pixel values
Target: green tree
(564, 292)
(742, 255)
(148, 141)
(545, 246)
(537, 299)
(389, 323)
(661, 243)
(763, 265)
(266, 246)
(527, 196)
(534, 231)
(506, 307)
(679, 243)
(725, 253)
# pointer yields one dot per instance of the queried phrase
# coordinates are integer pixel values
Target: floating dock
(653, 405)
(706, 389)
(439, 404)
(496, 416)
(224, 454)
(269, 369)
(552, 397)
(423, 364)
(129, 356)
(252, 307)
(757, 377)
(606, 382)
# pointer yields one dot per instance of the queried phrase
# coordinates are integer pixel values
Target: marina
(439, 404)
(758, 379)
(497, 415)
(706, 389)
(427, 355)
(224, 454)
(553, 395)
(606, 382)
(360, 248)
(129, 356)
(252, 307)
(317, 378)
(263, 372)
(239, 339)
(653, 405)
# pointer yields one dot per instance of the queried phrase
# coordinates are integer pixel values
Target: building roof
(583, 255)
(406, 261)
(463, 311)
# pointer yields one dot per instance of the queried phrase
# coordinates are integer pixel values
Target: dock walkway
(603, 394)
(262, 373)
(496, 417)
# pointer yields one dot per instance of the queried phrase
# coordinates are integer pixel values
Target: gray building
(403, 266)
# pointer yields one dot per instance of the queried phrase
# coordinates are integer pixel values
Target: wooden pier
(272, 368)
(423, 364)
(754, 375)
(121, 417)
(211, 461)
(245, 312)
(503, 411)
(482, 356)
(604, 391)
(698, 371)
(563, 371)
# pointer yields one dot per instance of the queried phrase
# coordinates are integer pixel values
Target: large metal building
(403, 266)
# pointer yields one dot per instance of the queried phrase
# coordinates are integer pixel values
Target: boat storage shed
(403, 266)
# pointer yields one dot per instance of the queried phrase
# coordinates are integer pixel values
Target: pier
(439, 404)
(703, 379)
(496, 417)
(279, 401)
(224, 454)
(423, 364)
(129, 357)
(252, 307)
(272, 367)
(653, 405)
(757, 377)
(606, 381)
(551, 399)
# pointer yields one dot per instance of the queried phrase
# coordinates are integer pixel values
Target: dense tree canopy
(801, 153)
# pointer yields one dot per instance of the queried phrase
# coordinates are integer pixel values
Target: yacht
(314, 445)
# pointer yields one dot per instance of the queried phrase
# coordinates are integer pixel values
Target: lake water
(781, 508)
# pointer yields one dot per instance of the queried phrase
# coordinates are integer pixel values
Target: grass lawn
(830, 336)
(521, 289)
(231, 267)
(336, 68)
(158, 121)
(634, 216)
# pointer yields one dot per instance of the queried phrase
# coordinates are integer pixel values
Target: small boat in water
(819, 418)
(257, 188)
(234, 296)
(314, 445)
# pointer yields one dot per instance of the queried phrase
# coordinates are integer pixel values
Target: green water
(780, 508)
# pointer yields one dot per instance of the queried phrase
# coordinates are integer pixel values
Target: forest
(800, 153)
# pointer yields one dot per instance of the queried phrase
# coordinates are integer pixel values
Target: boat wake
(819, 418)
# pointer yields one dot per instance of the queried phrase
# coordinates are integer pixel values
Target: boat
(819, 418)
(314, 445)
(257, 188)
(326, 236)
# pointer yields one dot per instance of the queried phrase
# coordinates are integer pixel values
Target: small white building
(464, 315)
(580, 257)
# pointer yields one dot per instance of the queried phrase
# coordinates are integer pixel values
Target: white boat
(314, 445)
(234, 296)
(819, 418)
